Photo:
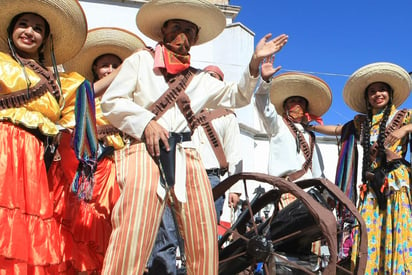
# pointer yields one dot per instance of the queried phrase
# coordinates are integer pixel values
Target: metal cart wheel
(283, 242)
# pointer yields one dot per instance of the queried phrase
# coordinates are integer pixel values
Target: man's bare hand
(267, 70)
(266, 47)
(153, 133)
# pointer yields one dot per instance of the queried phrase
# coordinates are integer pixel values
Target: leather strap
(46, 84)
(395, 124)
(177, 86)
(205, 119)
(304, 146)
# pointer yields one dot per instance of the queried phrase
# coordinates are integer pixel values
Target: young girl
(375, 91)
(30, 106)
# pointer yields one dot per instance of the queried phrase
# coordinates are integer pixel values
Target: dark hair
(366, 162)
(95, 76)
(12, 24)
(306, 101)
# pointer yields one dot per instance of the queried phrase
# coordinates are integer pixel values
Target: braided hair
(366, 128)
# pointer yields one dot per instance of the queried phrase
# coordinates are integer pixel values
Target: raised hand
(267, 70)
(266, 47)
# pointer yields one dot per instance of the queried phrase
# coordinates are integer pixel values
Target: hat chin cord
(56, 73)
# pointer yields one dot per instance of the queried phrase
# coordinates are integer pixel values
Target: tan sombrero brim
(152, 15)
(389, 73)
(100, 41)
(66, 19)
(313, 89)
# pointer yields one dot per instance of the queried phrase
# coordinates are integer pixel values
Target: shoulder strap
(176, 87)
(175, 94)
(394, 124)
(307, 151)
(205, 119)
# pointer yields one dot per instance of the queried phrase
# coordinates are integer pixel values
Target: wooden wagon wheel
(287, 250)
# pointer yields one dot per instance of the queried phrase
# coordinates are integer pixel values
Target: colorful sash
(85, 142)
(347, 168)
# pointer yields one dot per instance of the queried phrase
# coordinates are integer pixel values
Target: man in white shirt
(136, 105)
(286, 107)
(217, 141)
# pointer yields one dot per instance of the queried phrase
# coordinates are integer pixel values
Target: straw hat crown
(101, 41)
(67, 21)
(389, 73)
(316, 91)
(209, 19)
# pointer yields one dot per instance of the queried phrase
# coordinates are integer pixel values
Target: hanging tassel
(85, 142)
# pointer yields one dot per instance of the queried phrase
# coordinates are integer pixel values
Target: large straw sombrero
(389, 73)
(66, 18)
(310, 87)
(152, 15)
(100, 41)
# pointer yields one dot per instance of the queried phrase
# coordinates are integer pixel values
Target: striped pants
(137, 214)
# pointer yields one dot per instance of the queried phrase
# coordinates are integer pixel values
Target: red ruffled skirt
(29, 234)
(85, 226)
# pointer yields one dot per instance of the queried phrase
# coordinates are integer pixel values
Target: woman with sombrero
(33, 36)
(375, 91)
(85, 224)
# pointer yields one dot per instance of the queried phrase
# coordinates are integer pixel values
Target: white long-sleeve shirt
(136, 87)
(283, 156)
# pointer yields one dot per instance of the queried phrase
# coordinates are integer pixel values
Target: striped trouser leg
(136, 215)
(197, 219)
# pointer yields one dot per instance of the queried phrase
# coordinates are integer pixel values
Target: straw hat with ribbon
(208, 18)
(389, 73)
(101, 41)
(67, 21)
(313, 89)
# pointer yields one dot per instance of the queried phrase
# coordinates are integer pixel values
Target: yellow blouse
(111, 140)
(42, 112)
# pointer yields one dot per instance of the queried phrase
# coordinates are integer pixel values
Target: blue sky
(332, 38)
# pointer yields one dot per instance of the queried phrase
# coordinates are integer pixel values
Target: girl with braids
(375, 91)
(33, 35)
